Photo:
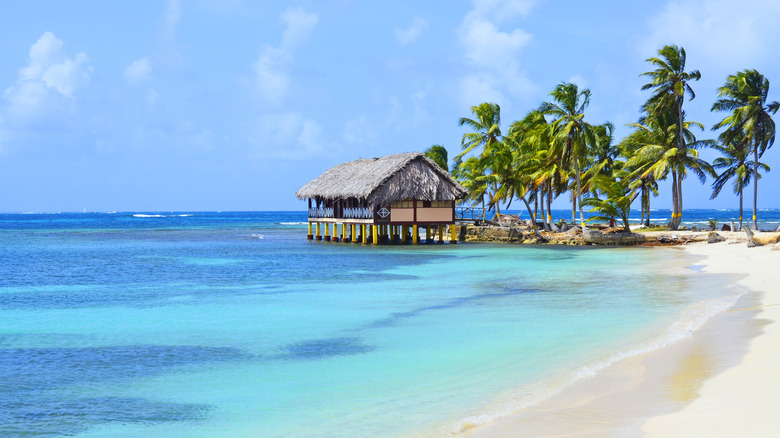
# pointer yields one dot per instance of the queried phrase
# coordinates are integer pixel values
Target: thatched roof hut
(382, 181)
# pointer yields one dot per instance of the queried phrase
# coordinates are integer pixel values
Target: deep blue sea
(217, 324)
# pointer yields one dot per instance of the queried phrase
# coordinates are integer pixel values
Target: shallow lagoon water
(233, 324)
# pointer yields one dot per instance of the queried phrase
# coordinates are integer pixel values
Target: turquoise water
(233, 324)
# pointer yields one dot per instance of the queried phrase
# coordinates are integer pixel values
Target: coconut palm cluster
(554, 150)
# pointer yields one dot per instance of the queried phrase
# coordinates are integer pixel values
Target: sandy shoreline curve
(718, 382)
(742, 400)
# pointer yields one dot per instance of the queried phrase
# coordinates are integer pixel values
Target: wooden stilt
(310, 236)
(415, 234)
(453, 237)
(318, 236)
(327, 232)
(441, 233)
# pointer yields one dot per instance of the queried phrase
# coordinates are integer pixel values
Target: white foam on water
(293, 223)
(513, 403)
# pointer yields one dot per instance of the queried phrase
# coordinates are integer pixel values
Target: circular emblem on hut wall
(383, 213)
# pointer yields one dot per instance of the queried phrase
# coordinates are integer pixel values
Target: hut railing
(358, 213)
(321, 212)
(469, 213)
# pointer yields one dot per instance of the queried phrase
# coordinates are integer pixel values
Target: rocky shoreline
(518, 234)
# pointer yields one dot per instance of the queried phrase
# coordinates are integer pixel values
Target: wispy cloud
(411, 33)
(716, 31)
(138, 71)
(492, 53)
(286, 135)
(271, 67)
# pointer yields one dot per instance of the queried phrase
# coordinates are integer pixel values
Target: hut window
(441, 204)
(403, 204)
(419, 204)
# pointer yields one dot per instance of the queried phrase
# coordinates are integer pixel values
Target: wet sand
(689, 388)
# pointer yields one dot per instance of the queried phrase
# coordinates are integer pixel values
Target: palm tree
(438, 154)
(470, 174)
(745, 96)
(670, 83)
(635, 167)
(617, 202)
(658, 154)
(485, 126)
(569, 131)
(736, 166)
(487, 136)
(528, 138)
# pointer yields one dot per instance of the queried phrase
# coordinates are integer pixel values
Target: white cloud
(139, 70)
(501, 10)
(492, 53)
(717, 31)
(172, 18)
(311, 138)
(475, 89)
(300, 25)
(487, 46)
(405, 112)
(271, 68)
(359, 131)
(287, 135)
(411, 33)
(48, 79)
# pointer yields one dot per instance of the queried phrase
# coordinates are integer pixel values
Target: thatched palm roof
(384, 180)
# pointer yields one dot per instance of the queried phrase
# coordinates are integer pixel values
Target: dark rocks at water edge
(594, 237)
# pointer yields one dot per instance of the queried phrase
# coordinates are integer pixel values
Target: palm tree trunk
(740, 211)
(530, 212)
(536, 203)
(755, 186)
(647, 204)
(573, 208)
(541, 210)
(679, 200)
(642, 203)
(673, 222)
(579, 191)
(498, 207)
(549, 203)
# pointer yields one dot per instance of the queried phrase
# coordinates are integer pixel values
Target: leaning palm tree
(570, 133)
(438, 154)
(745, 96)
(735, 165)
(670, 83)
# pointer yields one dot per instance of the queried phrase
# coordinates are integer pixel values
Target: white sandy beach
(742, 400)
(720, 382)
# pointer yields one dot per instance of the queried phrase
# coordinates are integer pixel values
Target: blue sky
(233, 105)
